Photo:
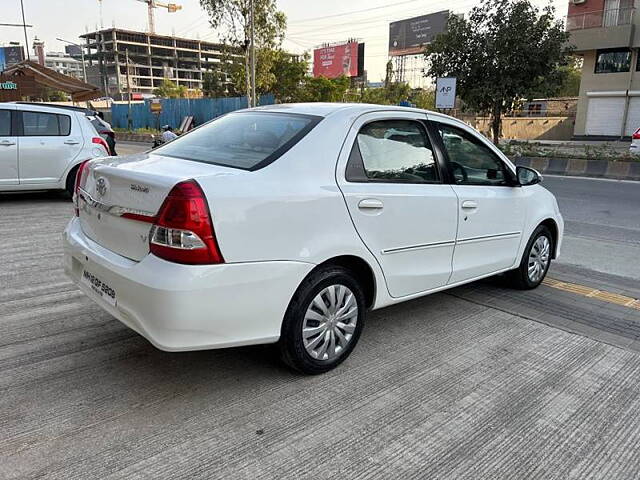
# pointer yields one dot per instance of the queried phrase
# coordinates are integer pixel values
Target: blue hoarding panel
(175, 109)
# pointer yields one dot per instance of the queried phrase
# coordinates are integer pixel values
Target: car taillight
(636, 134)
(81, 176)
(183, 229)
(100, 141)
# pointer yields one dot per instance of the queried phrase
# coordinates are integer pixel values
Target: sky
(310, 22)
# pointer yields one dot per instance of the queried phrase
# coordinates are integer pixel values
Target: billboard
(445, 92)
(336, 60)
(10, 56)
(409, 37)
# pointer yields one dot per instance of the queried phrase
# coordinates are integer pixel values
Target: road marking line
(605, 296)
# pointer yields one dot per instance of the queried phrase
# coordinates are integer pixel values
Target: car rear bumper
(185, 307)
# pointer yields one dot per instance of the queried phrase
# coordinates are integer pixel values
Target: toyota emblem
(102, 186)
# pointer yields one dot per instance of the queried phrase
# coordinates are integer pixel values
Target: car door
(49, 142)
(401, 206)
(8, 148)
(491, 206)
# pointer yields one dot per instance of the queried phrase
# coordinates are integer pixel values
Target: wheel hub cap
(538, 259)
(329, 322)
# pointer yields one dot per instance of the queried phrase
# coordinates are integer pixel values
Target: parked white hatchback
(287, 223)
(41, 146)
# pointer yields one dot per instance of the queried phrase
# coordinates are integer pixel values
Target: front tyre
(535, 260)
(323, 321)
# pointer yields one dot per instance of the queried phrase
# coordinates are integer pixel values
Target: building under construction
(152, 59)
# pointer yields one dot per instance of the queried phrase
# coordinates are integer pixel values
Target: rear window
(96, 123)
(246, 140)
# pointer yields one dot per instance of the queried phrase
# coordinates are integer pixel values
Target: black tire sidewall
(524, 264)
(70, 184)
(291, 343)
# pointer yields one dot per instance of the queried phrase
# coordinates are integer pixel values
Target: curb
(134, 137)
(580, 167)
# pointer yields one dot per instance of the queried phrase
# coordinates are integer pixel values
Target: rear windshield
(246, 140)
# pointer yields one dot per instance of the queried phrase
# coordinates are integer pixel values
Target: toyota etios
(287, 223)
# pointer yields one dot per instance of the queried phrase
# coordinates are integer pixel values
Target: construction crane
(152, 4)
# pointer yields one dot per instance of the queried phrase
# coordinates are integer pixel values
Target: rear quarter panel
(289, 210)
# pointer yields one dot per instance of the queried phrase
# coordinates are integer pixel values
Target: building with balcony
(605, 33)
(64, 63)
(152, 59)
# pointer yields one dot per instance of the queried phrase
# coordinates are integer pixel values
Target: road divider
(582, 167)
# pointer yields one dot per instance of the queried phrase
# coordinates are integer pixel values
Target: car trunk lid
(121, 196)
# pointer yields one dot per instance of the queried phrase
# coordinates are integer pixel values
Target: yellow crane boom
(152, 4)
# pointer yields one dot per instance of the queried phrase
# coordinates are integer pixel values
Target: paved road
(480, 382)
(127, 148)
(602, 224)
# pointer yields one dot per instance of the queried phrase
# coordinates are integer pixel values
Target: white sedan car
(285, 224)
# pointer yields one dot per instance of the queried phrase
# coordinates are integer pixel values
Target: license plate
(101, 289)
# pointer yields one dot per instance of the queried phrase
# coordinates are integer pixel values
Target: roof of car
(326, 109)
(47, 107)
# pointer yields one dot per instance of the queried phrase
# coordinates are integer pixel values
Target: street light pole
(84, 68)
(24, 25)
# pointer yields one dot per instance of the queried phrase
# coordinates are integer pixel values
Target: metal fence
(175, 109)
(602, 18)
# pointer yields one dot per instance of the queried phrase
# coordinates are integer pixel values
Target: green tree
(571, 77)
(169, 89)
(391, 94)
(423, 98)
(233, 18)
(505, 50)
(289, 72)
(52, 95)
(214, 84)
(323, 89)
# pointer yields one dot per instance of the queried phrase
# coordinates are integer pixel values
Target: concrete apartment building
(63, 63)
(152, 58)
(605, 33)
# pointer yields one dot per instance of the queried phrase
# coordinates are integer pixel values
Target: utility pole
(129, 121)
(254, 101)
(24, 25)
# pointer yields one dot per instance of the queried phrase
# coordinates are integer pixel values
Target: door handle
(469, 204)
(370, 204)
(7, 143)
(71, 142)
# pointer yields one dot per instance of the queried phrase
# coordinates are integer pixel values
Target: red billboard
(334, 61)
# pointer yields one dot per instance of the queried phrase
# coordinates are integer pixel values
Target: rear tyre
(323, 321)
(535, 262)
(71, 181)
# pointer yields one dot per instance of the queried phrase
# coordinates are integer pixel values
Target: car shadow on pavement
(39, 196)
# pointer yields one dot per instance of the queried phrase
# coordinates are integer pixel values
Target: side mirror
(527, 176)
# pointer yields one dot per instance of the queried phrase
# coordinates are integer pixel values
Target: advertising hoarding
(10, 56)
(336, 60)
(446, 92)
(409, 37)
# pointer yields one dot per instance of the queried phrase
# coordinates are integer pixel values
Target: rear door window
(42, 124)
(5, 123)
(246, 140)
(396, 151)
